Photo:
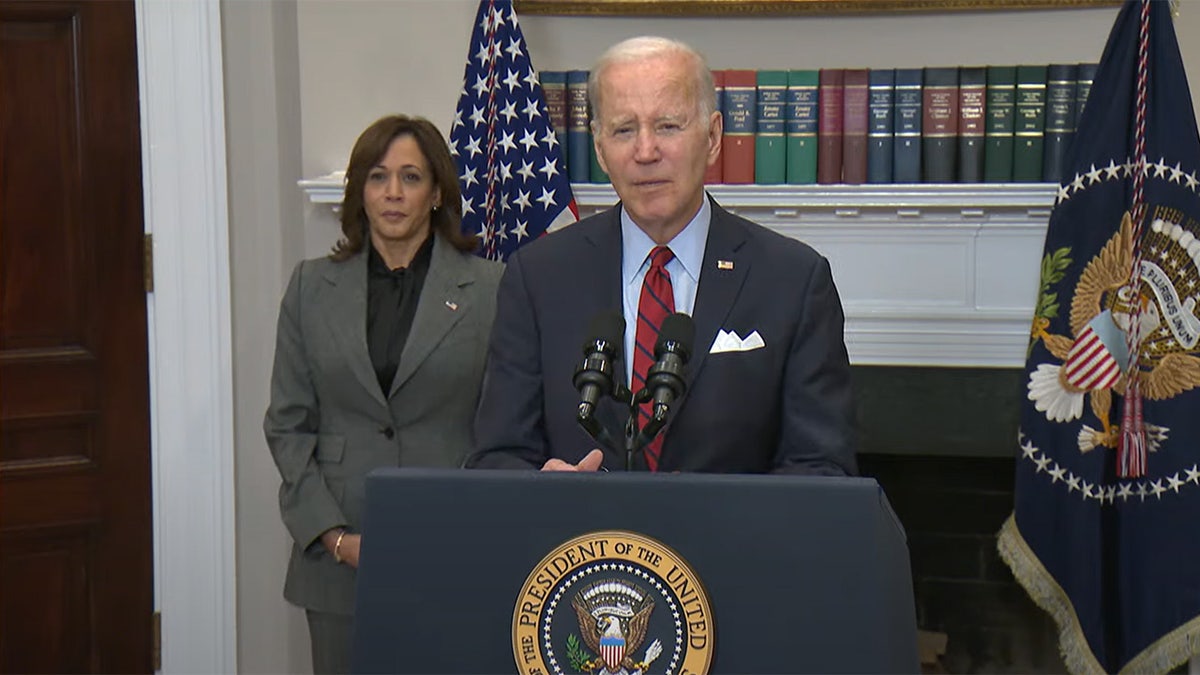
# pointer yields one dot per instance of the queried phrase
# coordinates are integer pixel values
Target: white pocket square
(728, 341)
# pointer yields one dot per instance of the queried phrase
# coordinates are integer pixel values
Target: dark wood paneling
(39, 93)
(75, 516)
(47, 442)
(44, 581)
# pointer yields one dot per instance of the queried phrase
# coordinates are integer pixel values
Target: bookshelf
(929, 274)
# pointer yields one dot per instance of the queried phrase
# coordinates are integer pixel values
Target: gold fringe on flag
(1173, 649)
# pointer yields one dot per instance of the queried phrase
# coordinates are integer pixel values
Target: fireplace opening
(942, 444)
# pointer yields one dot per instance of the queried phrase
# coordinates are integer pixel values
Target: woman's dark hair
(370, 147)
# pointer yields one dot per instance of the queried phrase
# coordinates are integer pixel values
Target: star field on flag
(511, 171)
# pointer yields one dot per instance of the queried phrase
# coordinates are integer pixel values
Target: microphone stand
(599, 433)
(631, 431)
(636, 441)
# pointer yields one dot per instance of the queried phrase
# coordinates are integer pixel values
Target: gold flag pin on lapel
(452, 305)
(724, 264)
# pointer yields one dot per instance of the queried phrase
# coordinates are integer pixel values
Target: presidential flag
(1104, 533)
(511, 171)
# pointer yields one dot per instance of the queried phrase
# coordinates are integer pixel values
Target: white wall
(304, 77)
(262, 94)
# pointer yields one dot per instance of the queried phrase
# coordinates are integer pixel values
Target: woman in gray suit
(379, 357)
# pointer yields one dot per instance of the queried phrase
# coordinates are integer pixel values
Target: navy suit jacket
(785, 407)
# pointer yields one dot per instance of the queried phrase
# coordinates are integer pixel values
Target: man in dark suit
(768, 384)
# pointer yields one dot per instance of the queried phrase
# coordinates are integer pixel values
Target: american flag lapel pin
(724, 264)
(452, 305)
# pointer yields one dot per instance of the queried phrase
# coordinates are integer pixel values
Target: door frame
(184, 185)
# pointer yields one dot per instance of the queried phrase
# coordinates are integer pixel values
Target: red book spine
(856, 100)
(737, 144)
(714, 175)
(829, 126)
(972, 106)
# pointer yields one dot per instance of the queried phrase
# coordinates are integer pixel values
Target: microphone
(594, 377)
(665, 379)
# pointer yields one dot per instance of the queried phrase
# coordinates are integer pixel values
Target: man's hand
(590, 463)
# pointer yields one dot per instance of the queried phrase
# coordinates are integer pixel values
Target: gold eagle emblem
(1095, 359)
(613, 618)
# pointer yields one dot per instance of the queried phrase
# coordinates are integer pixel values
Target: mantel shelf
(929, 274)
(327, 189)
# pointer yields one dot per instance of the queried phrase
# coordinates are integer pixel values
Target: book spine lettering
(972, 100)
(998, 135)
(907, 118)
(1060, 119)
(579, 167)
(829, 127)
(939, 131)
(802, 114)
(880, 132)
(1029, 124)
(770, 154)
(855, 102)
(737, 144)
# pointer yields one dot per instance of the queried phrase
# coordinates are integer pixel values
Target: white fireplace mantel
(929, 275)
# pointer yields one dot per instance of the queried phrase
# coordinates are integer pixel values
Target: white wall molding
(327, 189)
(191, 408)
(931, 275)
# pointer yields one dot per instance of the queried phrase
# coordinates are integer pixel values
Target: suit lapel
(719, 285)
(444, 301)
(346, 313)
(599, 271)
(603, 263)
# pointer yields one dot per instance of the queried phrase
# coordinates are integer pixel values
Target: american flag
(511, 171)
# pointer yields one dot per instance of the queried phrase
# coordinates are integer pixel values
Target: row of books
(939, 124)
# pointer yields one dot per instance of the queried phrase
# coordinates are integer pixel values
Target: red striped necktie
(656, 302)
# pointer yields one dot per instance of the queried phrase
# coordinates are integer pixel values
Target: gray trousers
(332, 636)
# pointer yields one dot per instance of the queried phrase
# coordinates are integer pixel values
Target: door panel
(75, 517)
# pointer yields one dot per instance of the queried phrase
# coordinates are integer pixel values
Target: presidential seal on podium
(612, 603)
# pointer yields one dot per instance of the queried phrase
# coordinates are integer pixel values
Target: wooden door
(76, 574)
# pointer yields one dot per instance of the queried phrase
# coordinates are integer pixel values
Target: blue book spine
(880, 132)
(579, 165)
(906, 164)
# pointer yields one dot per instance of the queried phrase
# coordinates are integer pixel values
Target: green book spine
(1061, 83)
(1029, 124)
(801, 127)
(770, 154)
(1000, 107)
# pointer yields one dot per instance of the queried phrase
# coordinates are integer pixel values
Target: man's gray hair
(646, 46)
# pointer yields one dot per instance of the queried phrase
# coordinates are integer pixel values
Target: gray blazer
(328, 424)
